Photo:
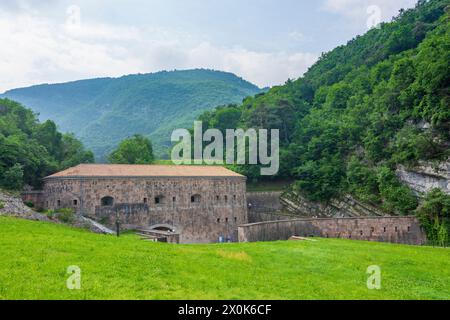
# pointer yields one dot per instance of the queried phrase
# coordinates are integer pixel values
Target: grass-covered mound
(35, 257)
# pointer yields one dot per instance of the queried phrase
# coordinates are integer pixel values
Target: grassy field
(35, 257)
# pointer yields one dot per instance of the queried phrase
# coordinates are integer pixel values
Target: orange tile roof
(118, 170)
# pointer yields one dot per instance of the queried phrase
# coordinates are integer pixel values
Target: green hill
(380, 101)
(36, 256)
(102, 112)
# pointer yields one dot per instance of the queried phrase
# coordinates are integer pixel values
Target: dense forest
(103, 112)
(363, 109)
(30, 150)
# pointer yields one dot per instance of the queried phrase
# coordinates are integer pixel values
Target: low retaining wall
(404, 230)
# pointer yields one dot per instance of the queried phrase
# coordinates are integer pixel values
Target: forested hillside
(102, 112)
(30, 150)
(364, 108)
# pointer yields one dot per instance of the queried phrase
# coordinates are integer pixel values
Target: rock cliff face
(336, 208)
(426, 177)
(13, 206)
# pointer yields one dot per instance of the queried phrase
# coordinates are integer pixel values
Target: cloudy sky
(264, 41)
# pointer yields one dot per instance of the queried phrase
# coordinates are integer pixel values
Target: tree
(135, 150)
(30, 150)
(434, 215)
(13, 178)
(74, 153)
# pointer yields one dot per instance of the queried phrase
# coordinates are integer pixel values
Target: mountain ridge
(103, 111)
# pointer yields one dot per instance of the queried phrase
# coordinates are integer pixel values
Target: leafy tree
(13, 177)
(30, 150)
(434, 214)
(364, 108)
(135, 150)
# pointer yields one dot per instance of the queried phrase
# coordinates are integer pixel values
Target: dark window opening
(196, 198)
(107, 202)
(396, 229)
(226, 220)
(384, 229)
(226, 198)
(409, 229)
(59, 203)
(145, 200)
(372, 229)
(362, 233)
(174, 199)
(217, 198)
(235, 219)
(75, 202)
(218, 220)
(159, 200)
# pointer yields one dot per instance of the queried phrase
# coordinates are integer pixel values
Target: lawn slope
(35, 257)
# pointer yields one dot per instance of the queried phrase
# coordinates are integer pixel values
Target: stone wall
(405, 230)
(265, 206)
(220, 203)
(35, 197)
(264, 201)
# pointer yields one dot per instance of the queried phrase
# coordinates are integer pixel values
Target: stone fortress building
(184, 204)
(205, 204)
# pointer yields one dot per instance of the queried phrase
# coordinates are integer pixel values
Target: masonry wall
(34, 197)
(220, 205)
(405, 230)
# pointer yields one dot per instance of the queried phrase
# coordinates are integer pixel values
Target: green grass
(35, 257)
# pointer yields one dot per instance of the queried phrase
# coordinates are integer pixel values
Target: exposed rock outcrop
(348, 206)
(13, 206)
(86, 223)
(426, 177)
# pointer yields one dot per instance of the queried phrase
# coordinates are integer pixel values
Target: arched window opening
(107, 201)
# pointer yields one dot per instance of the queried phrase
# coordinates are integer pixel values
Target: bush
(434, 215)
(2, 205)
(65, 215)
(397, 198)
(29, 204)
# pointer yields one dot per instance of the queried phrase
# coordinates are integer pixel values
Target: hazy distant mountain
(104, 111)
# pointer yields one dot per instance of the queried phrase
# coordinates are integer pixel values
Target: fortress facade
(185, 204)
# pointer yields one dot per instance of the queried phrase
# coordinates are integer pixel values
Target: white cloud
(357, 9)
(38, 50)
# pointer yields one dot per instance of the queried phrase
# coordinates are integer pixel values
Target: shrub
(397, 198)
(65, 215)
(434, 215)
(29, 204)
(2, 205)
